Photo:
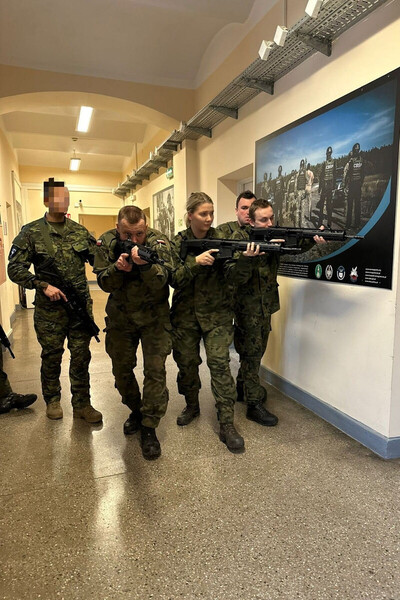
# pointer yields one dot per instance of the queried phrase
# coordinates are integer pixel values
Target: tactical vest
(291, 185)
(356, 170)
(328, 175)
(301, 180)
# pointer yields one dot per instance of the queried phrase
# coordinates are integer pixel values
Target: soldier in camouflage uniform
(201, 310)
(8, 399)
(243, 203)
(54, 237)
(137, 311)
(256, 298)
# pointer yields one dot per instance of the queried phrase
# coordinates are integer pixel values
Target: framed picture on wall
(337, 167)
(164, 212)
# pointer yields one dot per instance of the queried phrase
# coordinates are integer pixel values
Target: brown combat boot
(230, 437)
(54, 411)
(88, 413)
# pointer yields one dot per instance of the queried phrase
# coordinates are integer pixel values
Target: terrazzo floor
(305, 513)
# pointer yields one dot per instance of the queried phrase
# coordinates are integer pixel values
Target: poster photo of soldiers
(337, 168)
(164, 212)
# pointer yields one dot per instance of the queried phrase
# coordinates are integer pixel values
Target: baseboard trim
(383, 446)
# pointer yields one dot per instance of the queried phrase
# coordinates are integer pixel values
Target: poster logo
(329, 272)
(341, 273)
(354, 274)
(318, 271)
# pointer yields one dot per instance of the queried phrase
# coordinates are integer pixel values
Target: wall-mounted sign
(337, 167)
(170, 173)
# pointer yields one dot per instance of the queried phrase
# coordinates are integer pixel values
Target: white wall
(335, 342)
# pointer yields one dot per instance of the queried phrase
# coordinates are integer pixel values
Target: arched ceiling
(161, 42)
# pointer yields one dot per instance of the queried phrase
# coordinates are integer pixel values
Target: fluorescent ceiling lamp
(280, 35)
(84, 118)
(265, 49)
(312, 8)
(74, 164)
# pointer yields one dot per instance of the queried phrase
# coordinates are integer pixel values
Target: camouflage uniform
(301, 194)
(137, 311)
(70, 246)
(201, 309)
(5, 387)
(255, 299)
(228, 229)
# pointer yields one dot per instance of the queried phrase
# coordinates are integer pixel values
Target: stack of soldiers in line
(214, 301)
(292, 194)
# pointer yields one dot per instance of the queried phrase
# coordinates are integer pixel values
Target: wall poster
(164, 212)
(338, 167)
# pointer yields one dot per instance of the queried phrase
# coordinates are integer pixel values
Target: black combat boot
(190, 412)
(259, 414)
(133, 422)
(239, 391)
(16, 401)
(151, 448)
(230, 437)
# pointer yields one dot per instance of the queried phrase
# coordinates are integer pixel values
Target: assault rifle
(76, 303)
(145, 253)
(227, 248)
(293, 235)
(5, 341)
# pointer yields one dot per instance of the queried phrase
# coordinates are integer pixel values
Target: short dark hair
(260, 203)
(50, 185)
(133, 214)
(247, 194)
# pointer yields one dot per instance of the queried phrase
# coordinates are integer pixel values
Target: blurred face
(264, 217)
(202, 217)
(135, 233)
(242, 211)
(58, 200)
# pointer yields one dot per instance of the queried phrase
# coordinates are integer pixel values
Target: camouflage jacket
(228, 229)
(254, 280)
(201, 294)
(70, 249)
(140, 296)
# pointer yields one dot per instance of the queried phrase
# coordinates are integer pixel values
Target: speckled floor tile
(305, 513)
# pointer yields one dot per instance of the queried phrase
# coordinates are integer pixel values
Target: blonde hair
(194, 201)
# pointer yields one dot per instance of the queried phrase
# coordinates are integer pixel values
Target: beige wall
(8, 163)
(318, 337)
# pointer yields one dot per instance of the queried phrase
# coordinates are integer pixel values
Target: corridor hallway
(305, 513)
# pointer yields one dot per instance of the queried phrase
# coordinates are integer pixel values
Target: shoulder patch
(13, 252)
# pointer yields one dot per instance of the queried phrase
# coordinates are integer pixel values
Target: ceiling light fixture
(74, 163)
(280, 35)
(282, 30)
(265, 49)
(84, 118)
(312, 8)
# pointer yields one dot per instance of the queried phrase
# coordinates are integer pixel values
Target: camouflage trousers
(5, 387)
(251, 339)
(121, 346)
(186, 352)
(53, 326)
